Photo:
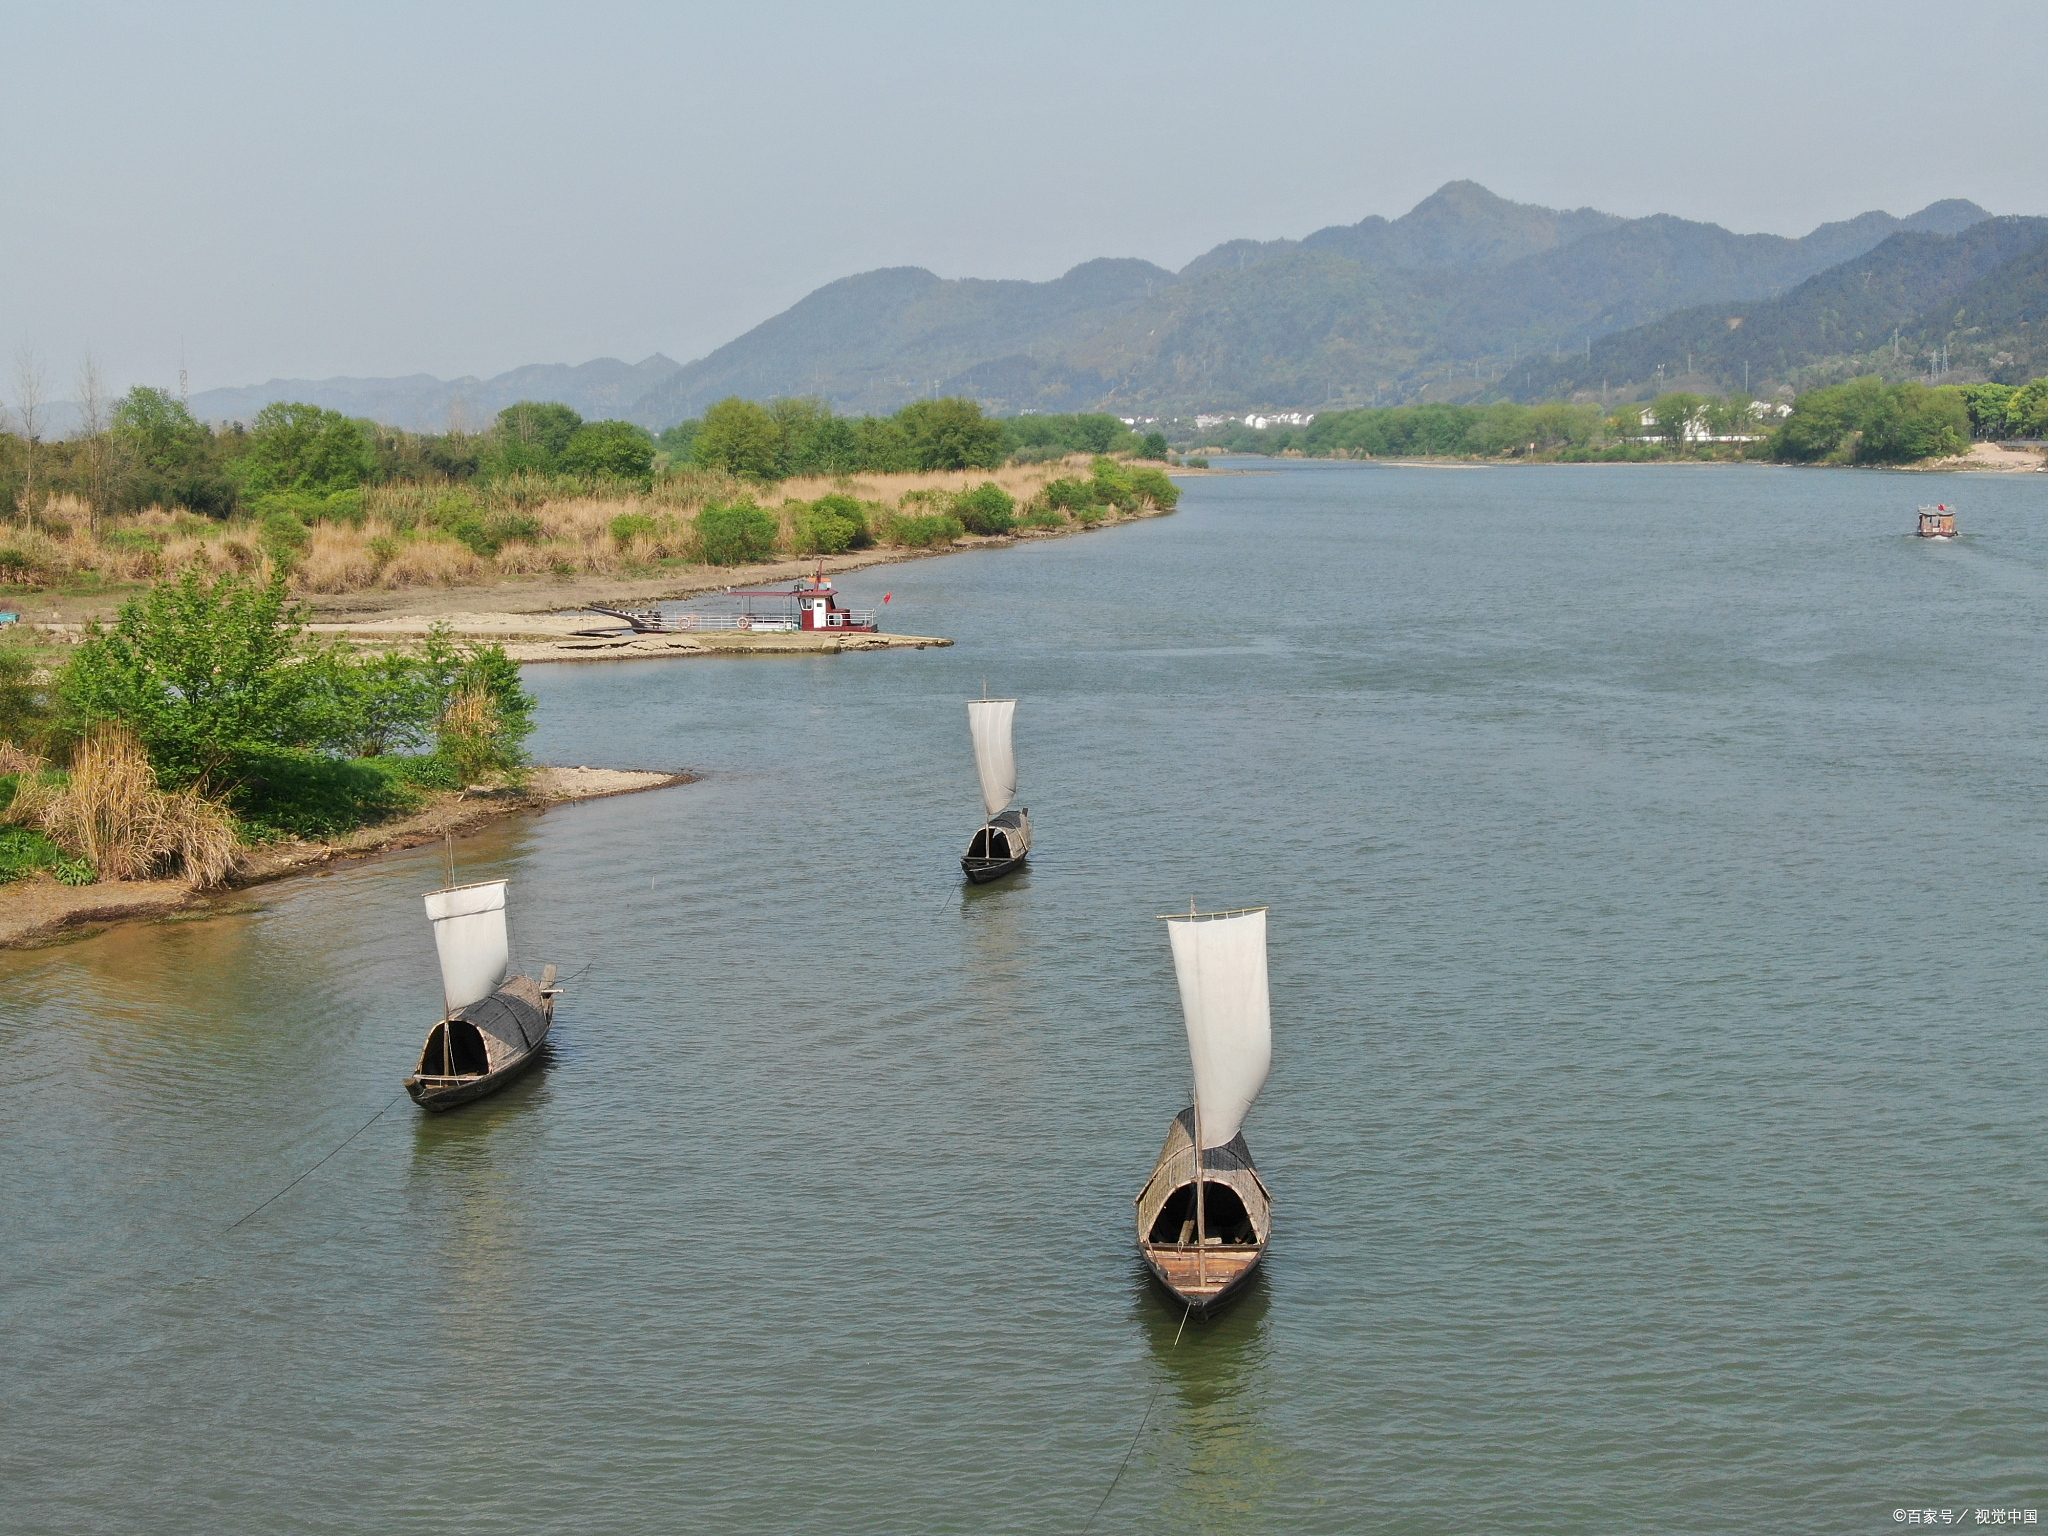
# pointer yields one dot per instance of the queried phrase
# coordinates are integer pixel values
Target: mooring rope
(352, 1135)
(1141, 1428)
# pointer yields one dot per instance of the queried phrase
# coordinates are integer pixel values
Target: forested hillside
(1883, 312)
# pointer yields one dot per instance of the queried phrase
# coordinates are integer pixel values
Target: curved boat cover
(989, 720)
(469, 933)
(510, 1021)
(1221, 965)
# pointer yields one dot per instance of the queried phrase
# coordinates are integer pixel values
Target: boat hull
(1203, 1276)
(981, 871)
(451, 1091)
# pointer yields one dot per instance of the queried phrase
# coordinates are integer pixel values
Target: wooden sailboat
(1005, 836)
(492, 1025)
(1202, 1234)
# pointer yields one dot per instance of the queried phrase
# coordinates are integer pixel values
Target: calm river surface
(1659, 871)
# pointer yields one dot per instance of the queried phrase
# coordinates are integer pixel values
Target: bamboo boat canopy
(1220, 961)
(989, 720)
(469, 933)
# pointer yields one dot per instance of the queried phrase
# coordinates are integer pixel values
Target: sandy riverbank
(40, 911)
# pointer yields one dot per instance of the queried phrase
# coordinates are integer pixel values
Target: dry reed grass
(112, 814)
(15, 760)
(433, 563)
(392, 546)
(336, 560)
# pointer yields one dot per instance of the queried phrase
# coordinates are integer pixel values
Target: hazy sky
(302, 191)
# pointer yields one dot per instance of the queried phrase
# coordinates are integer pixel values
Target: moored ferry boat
(808, 606)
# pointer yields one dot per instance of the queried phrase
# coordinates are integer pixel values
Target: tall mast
(1201, 1216)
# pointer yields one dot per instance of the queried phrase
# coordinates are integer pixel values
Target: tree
(677, 441)
(1675, 414)
(532, 436)
(2026, 414)
(157, 431)
(616, 449)
(952, 434)
(201, 671)
(92, 452)
(1990, 405)
(30, 383)
(740, 438)
(298, 447)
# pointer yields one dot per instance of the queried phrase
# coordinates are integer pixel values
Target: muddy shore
(41, 911)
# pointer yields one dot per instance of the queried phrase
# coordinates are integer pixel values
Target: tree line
(1864, 421)
(149, 450)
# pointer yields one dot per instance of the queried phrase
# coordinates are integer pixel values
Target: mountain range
(1467, 295)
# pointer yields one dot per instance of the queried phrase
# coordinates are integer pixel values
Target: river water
(1656, 861)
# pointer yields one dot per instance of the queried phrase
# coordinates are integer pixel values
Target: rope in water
(295, 1183)
(1141, 1429)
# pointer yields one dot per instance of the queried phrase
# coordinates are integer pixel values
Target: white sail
(469, 932)
(989, 720)
(1221, 964)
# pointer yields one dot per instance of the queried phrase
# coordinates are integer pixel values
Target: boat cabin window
(454, 1049)
(1223, 1215)
(989, 843)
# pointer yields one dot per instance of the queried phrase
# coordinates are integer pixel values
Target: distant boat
(1203, 1236)
(1005, 836)
(1937, 522)
(491, 1025)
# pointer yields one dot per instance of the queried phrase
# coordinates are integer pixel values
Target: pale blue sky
(449, 189)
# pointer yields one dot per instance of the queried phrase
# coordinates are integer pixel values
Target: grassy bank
(421, 535)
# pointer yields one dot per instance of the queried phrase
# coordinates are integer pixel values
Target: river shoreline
(40, 911)
(61, 618)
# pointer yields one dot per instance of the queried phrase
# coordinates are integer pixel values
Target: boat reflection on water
(1227, 1462)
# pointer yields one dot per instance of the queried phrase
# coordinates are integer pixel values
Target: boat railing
(857, 618)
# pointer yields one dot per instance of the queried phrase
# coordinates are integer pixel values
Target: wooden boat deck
(1201, 1278)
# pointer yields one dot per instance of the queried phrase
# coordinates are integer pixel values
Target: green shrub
(481, 530)
(1068, 495)
(929, 531)
(628, 526)
(283, 537)
(24, 851)
(1198, 463)
(1111, 486)
(1155, 486)
(854, 512)
(133, 541)
(735, 533)
(311, 507)
(987, 509)
(1042, 516)
(1153, 447)
(21, 568)
(822, 531)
